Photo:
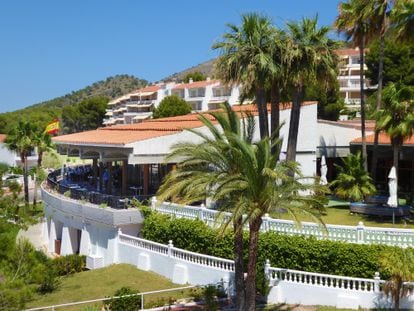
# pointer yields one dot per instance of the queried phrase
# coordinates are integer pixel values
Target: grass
(104, 282)
(337, 213)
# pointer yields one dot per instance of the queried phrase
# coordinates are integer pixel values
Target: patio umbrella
(324, 171)
(392, 185)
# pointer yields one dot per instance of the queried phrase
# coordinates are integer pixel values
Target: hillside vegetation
(44, 112)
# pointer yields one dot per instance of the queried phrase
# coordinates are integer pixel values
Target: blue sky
(50, 48)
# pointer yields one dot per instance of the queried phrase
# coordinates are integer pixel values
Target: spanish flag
(53, 127)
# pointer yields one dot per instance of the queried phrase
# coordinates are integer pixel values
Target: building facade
(138, 105)
(349, 77)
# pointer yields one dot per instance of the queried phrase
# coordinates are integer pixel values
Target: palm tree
(246, 59)
(402, 18)
(353, 182)
(245, 177)
(378, 16)
(4, 168)
(20, 140)
(43, 143)
(396, 118)
(399, 263)
(311, 58)
(352, 22)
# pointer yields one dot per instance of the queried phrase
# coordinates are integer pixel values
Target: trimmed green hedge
(290, 252)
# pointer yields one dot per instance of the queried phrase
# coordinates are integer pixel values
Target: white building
(349, 77)
(138, 105)
(11, 158)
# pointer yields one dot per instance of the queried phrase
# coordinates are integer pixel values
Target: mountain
(44, 112)
(205, 68)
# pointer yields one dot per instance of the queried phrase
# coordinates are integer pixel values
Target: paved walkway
(34, 235)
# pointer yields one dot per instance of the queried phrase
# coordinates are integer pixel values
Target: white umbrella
(393, 185)
(324, 171)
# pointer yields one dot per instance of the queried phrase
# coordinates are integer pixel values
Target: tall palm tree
(399, 263)
(43, 143)
(311, 57)
(246, 59)
(244, 176)
(402, 18)
(377, 13)
(396, 118)
(352, 22)
(20, 140)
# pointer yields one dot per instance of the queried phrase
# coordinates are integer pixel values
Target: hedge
(290, 252)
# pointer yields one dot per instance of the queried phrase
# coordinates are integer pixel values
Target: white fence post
(360, 233)
(153, 202)
(266, 269)
(170, 247)
(377, 282)
(201, 212)
(265, 222)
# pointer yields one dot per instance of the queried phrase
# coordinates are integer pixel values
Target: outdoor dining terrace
(80, 183)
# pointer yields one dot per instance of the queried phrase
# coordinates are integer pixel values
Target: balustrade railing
(351, 234)
(181, 254)
(323, 280)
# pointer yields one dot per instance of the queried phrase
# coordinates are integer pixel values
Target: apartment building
(138, 106)
(349, 77)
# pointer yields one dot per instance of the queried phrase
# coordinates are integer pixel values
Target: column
(52, 236)
(124, 176)
(94, 171)
(146, 179)
(66, 244)
(110, 180)
(84, 247)
(101, 171)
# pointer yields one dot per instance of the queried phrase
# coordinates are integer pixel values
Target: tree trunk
(294, 124)
(39, 165)
(361, 83)
(25, 182)
(274, 114)
(398, 293)
(238, 264)
(254, 228)
(262, 108)
(379, 98)
(396, 153)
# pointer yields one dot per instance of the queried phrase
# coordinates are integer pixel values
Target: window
(200, 92)
(221, 91)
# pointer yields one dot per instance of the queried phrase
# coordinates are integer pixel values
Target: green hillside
(44, 112)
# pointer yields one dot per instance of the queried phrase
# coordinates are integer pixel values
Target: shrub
(69, 264)
(131, 303)
(290, 252)
(171, 106)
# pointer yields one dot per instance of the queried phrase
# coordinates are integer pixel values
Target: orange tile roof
(383, 139)
(195, 85)
(127, 133)
(149, 88)
(349, 52)
(2, 138)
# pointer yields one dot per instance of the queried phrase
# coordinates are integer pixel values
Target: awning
(141, 117)
(139, 106)
(143, 94)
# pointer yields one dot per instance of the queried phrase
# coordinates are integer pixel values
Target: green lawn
(337, 213)
(104, 282)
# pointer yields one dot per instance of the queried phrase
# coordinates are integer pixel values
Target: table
(137, 190)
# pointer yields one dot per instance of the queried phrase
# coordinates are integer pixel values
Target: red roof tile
(2, 138)
(127, 133)
(383, 139)
(348, 52)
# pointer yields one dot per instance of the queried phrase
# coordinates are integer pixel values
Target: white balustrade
(351, 234)
(171, 251)
(322, 280)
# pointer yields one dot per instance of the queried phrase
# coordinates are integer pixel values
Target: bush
(126, 303)
(171, 106)
(290, 252)
(69, 264)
